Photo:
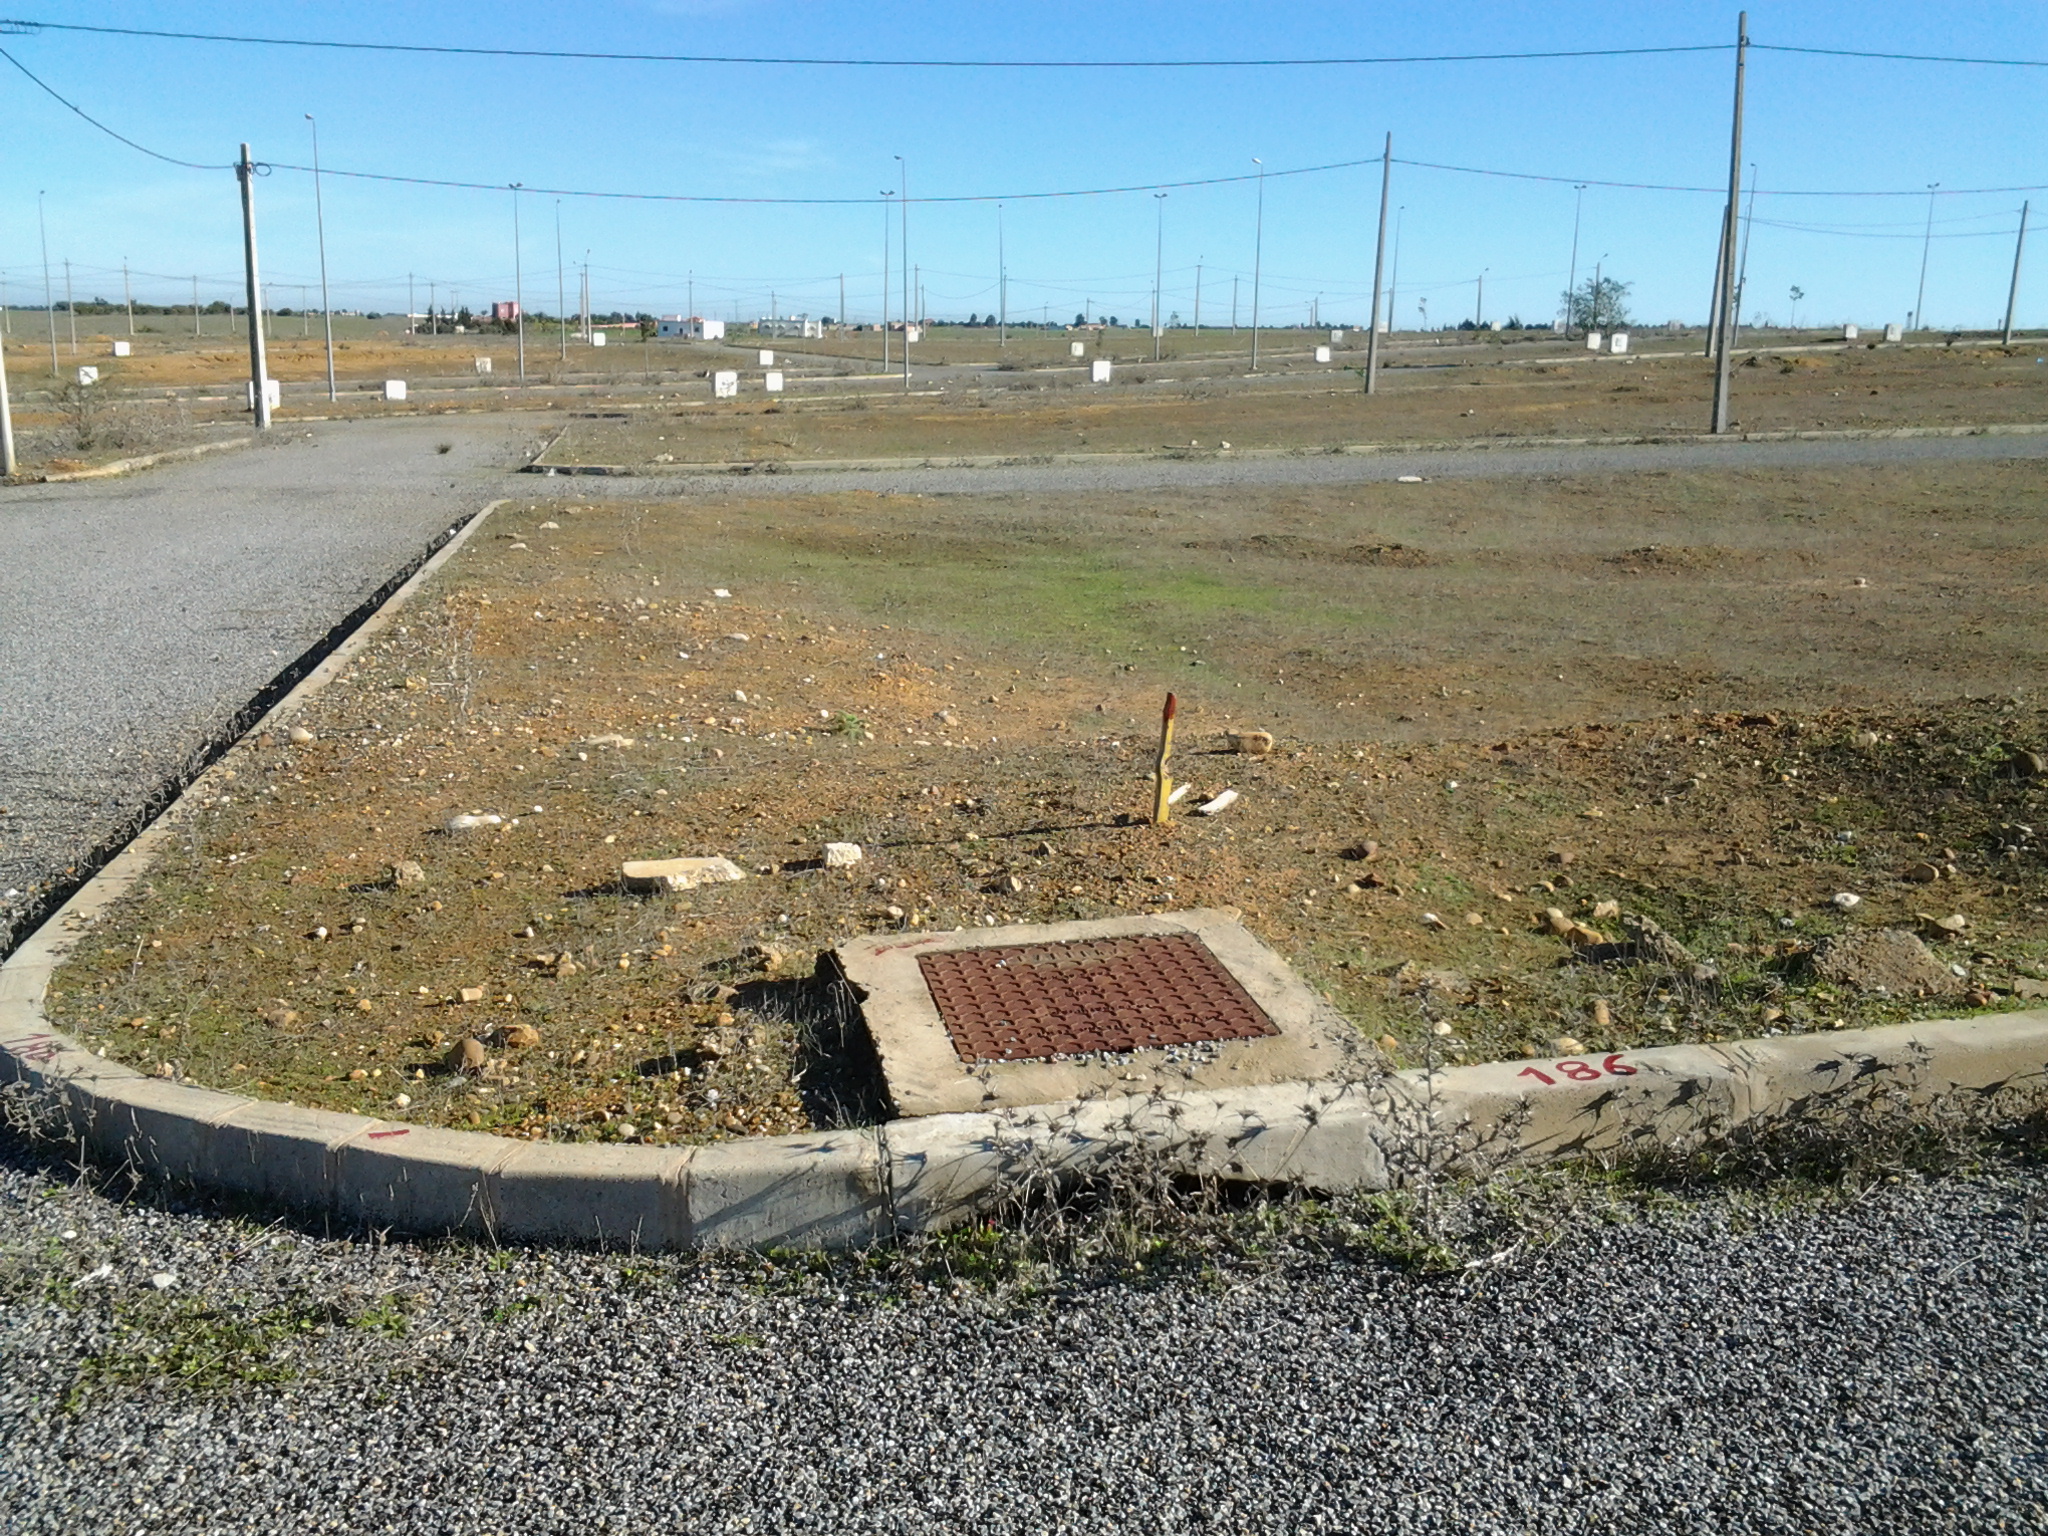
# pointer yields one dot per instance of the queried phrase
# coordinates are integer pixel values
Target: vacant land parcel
(1718, 702)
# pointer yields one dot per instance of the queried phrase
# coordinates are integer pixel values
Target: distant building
(505, 312)
(690, 328)
(789, 325)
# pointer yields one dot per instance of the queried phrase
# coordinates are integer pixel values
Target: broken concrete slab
(657, 875)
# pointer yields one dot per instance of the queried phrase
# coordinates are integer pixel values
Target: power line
(970, 197)
(190, 165)
(1908, 58)
(28, 27)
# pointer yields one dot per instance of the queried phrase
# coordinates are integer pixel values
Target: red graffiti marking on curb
(1581, 1071)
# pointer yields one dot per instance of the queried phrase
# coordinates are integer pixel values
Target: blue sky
(806, 132)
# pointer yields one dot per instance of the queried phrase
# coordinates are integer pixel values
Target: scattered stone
(359, 1075)
(164, 1279)
(515, 1037)
(1606, 909)
(766, 956)
(300, 736)
(2025, 764)
(564, 966)
(608, 741)
(1649, 942)
(1364, 852)
(471, 822)
(678, 874)
(1563, 856)
(842, 855)
(1431, 920)
(1882, 959)
(1251, 743)
(1603, 1015)
(1565, 1045)
(1556, 922)
(1221, 803)
(407, 874)
(1954, 923)
(2028, 986)
(472, 994)
(1922, 873)
(1389, 1044)
(467, 1056)
(1867, 739)
(1848, 901)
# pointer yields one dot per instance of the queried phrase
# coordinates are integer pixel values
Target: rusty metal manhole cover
(1021, 1002)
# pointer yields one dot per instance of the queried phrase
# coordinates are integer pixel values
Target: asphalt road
(137, 615)
(1725, 1369)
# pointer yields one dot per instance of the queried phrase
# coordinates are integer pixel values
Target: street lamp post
(886, 195)
(1926, 243)
(903, 207)
(561, 285)
(1002, 286)
(518, 285)
(1158, 263)
(1258, 254)
(1571, 281)
(320, 226)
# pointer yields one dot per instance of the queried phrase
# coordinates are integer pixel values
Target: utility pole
(259, 370)
(1479, 304)
(320, 227)
(128, 295)
(1571, 281)
(1233, 306)
(1198, 300)
(1002, 286)
(1158, 263)
(886, 195)
(1379, 258)
(1920, 300)
(1258, 255)
(518, 285)
(411, 324)
(1721, 359)
(842, 306)
(433, 313)
(903, 206)
(561, 284)
(195, 304)
(2012, 294)
(49, 298)
(70, 307)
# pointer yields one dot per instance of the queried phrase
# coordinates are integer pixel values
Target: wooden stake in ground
(1162, 786)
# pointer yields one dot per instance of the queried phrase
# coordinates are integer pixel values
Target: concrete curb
(129, 466)
(840, 1189)
(1341, 450)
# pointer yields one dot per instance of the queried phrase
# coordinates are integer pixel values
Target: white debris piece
(1848, 901)
(1221, 803)
(470, 822)
(842, 855)
(678, 874)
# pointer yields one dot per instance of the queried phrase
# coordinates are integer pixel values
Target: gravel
(1720, 1368)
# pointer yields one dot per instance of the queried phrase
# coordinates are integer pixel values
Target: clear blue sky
(798, 132)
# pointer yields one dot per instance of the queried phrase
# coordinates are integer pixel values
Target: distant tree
(1080, 319)
(1114, 321)
(1597, 304)
(1797, 295)
(648, 325)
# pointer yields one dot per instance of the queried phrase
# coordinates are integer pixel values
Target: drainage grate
(1022, 1002)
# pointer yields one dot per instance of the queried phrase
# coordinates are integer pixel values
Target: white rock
(1848, 901)
(163, 1279)
(1408, 479)
(608, 741)
(300, 735)
(470, 823)
(1221, 803)
(1179, 794)
(842, 855)
(720, 592)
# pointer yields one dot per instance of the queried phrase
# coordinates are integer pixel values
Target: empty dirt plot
(1513, 723)
(1177, 411)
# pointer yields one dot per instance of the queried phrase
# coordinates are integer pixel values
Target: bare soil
(1713, 701)
(1179, 410)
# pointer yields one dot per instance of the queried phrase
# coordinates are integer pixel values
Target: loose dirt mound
(1883, 960)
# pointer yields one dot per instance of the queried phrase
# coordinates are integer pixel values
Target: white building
(789, 325)
(690, 328)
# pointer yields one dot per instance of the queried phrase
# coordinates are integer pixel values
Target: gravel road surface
(137, 615)
(1878, 1368)
(1718, 1370)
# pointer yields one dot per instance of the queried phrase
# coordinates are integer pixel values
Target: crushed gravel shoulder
(1724, 1366)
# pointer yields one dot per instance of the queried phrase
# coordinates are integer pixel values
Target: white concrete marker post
(1850, 333)
(273, 393)
(122, 349)
(483, 366)
(1076, 348)
(1593, 340)
(597, 338)
(1893, 333)
(88, 375)
(394, 389)
(1322, 354)
(773, 382)
(725, 384)
(1098, 371)
(767, 358)
(1617, 344)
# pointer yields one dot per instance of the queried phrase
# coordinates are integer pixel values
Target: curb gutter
(129, 466)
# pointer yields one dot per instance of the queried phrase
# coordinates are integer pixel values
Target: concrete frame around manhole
(924, 1074)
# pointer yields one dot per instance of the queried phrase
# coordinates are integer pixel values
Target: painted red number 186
(1581, 1071)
